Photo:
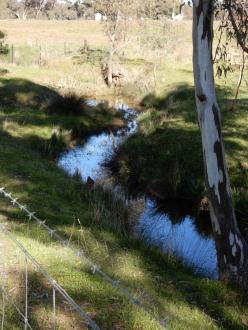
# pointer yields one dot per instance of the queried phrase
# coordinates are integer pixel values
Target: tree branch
(236, 30)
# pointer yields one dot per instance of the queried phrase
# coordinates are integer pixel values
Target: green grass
(31, 137)
(160, 282)
(164, 158)
(51, 112)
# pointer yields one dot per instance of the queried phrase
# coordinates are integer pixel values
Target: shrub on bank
(67, 104)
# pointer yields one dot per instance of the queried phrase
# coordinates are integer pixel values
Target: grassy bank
(86, 218)
(64, 119)
(164, 159)
(33, 131)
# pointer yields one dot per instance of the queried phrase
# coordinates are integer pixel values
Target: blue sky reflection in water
(181, 239)
(156, 228)
(88, 159)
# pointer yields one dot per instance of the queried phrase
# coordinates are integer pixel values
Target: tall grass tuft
(57, 143)
(109, 212)
(68, 103)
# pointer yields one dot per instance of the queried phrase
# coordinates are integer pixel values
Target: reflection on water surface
(182, 236)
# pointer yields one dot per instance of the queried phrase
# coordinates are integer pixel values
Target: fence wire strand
(26, 292)
(81, 254)
(12, 302)
(3, 311)
(52, 281)
(54, 309)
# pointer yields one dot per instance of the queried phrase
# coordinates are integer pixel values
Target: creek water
(182, 237)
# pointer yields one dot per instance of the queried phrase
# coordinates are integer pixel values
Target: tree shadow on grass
(181, 101)
(43, 105)
(40, 109)
(167, 159)
(21, 92)
(40, 304)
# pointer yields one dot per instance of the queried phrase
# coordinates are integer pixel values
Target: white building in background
(180, 16)
(100, 17)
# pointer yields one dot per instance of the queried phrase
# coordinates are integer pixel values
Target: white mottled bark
(232, 250)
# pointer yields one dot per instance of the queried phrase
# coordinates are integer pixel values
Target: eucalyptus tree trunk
(232, 250)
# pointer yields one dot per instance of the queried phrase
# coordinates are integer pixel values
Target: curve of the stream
(182, 239)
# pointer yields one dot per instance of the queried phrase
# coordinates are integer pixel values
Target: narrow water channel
(183, 238)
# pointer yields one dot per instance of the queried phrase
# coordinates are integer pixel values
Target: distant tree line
(46, 9)
(71, 10)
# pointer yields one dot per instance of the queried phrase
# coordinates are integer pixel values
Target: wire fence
(96, 269)
(56, 287)
(44, 55)
(7, 297)
(41, 55)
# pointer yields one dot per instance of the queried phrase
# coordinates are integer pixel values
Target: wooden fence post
(12, 54)
(86, 47)
(40, 57)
